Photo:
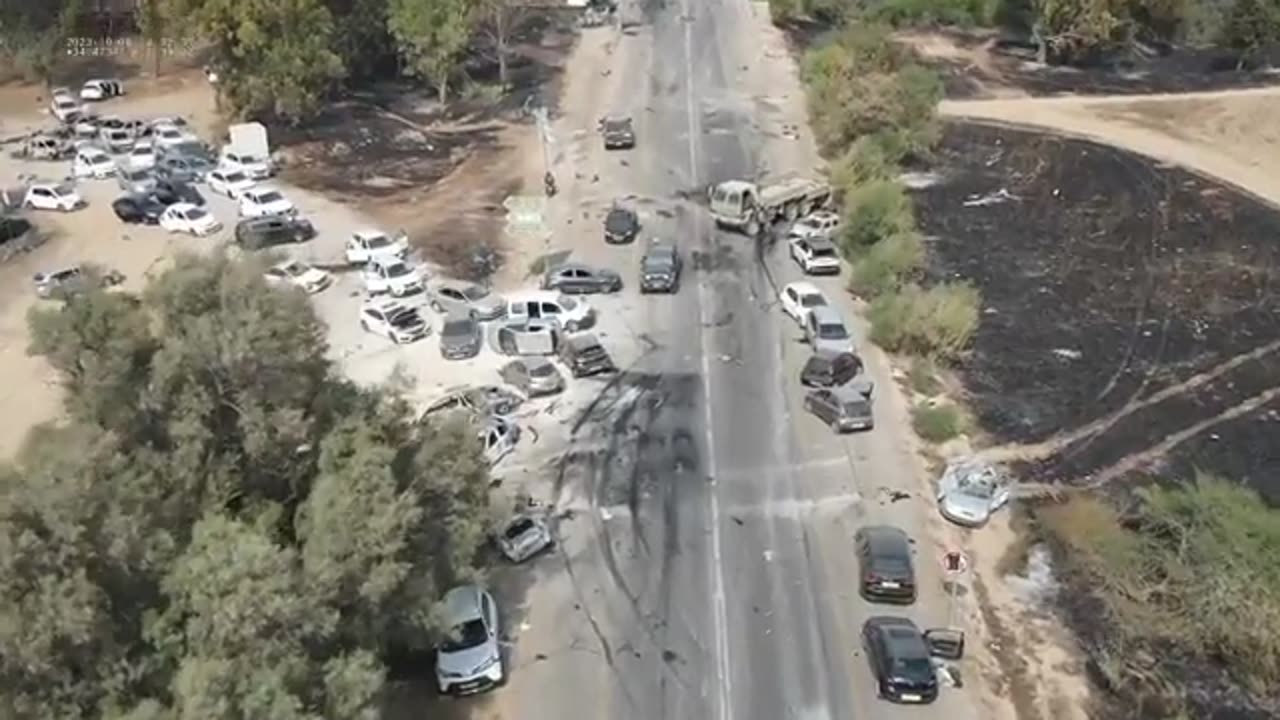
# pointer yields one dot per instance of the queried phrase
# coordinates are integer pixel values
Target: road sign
(955, 562)
(525, 208)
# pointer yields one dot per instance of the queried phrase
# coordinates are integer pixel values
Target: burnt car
(621, 225)
(826, 369)
(660, 269)
(261, 232)
(585, 356)
(619, 133)
(535, 377)
(478, 400)
(884, 562)
(138, 209)
(900, 660)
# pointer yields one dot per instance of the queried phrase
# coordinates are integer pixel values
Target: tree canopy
(222, 528)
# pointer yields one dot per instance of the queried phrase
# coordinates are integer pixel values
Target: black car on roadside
(660, 269)
(887, 572)
(900, 660)
(261, 232)
(621, 225)
(619, 133)
(827, 369)
(138, 209)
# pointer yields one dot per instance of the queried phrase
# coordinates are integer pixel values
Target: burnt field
(1131, 312)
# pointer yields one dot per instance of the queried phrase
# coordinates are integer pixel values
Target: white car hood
(311, 277)
(279, 207)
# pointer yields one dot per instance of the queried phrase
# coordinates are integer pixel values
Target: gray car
(825, 330)
(581, 279)
(969, 491)
(451, 296)
(460, 337)
(182, 168)
(619, 133)
(843, 408)
(469, 659)
(660, 269)
(135, 182)
(535, 377)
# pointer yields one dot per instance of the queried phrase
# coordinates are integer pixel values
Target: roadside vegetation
(1185, 571)
(222, 527)
(281, 60)
(872, 107)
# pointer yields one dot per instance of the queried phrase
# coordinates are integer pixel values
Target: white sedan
(799, 298)
(188, 218)
(264, 201)
(370, 245)
(142, 156)
(299, 275)
(393, 320)
(231, 183)
(170, 136)
(255, 167)
(53, 196)
(394, 276)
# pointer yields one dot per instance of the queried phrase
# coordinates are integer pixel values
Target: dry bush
(937, 423)
(937, 323)
(887, 265)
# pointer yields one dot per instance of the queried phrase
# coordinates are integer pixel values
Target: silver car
(523, 537)
(533, 376)
(969, 491)
(136, 182)
(451, 296)
(825, 330)
(460, 337)
(843, 408)
(469, 658)
(578, 278)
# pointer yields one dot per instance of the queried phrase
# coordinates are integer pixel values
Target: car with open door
(900, 659)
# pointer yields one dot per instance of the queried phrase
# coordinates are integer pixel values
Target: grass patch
(922, 376)
(937, 323)
(937, 423)
(1193, 567)
(887, 265)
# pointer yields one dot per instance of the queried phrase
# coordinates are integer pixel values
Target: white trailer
(752, 208)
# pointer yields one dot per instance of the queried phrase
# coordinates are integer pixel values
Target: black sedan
(139, 209)
(621, 226)
(169, 192)
(900, 660)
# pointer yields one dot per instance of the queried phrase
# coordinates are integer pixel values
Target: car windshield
(658, 262)
(456, 328)
(398, 270)
(913, 668)
(465, 636)
(824, 251)
(856, 408)
(142, 150)
(294, 269)
(196, 214)
(474, 293)
(619, 221)
(542, 370)
(170, 133)
(63, 190)
(978, 488)
(404, 318)
(617, 125)
(236, 177)
(136, 174)
(65, 103)
(378, 241)
(832, 331)
(249, 160)
(812, 301)
(518, 528)
(270, 197)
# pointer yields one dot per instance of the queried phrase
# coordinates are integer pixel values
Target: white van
(571, 313)
(93, 162)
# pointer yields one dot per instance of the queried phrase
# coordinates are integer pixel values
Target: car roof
(825, 315)
(451, 284)
(384, 304)
(804, 288)
(846, 393)
(582, 341)
(461, 604)
(879, 535)
(820, 243)
(368, 233)
(458, 316)
(183, 206)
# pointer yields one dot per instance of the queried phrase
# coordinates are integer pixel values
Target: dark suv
(660, 269)
(619, 133)
(257, 233)
(585, 356)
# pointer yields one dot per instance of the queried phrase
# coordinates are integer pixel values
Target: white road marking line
(724, 706)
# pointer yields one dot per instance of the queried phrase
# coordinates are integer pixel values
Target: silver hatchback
(843, 408)
(469, 658)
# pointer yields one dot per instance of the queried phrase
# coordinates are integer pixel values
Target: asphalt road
(713, 565)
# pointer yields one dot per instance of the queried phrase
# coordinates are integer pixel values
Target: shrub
(937, 423)
(886, 265)
(1195, 567)
(964, 13)
(922, 376)
(870, 157)
(873, 212)
(937, 323)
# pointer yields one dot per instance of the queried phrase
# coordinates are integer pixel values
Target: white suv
(393, 275)
(822, 223)
(815, 255)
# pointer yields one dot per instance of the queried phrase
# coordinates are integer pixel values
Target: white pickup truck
(752, 208)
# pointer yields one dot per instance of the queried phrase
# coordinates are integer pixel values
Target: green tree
(498, 21)
(1250, 26)
(35, 34)
(363, 43)
(274, 59)
(431, 35)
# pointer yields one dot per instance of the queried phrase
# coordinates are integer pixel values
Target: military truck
(751, 207)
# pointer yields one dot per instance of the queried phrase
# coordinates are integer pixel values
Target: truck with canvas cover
(753, 207)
